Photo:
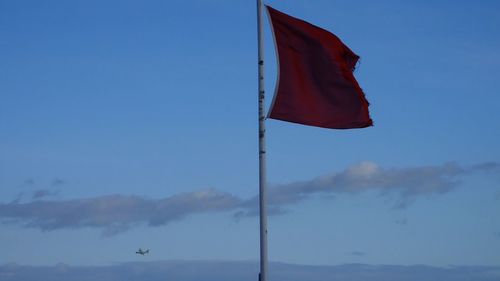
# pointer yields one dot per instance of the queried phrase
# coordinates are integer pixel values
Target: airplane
(142, 252)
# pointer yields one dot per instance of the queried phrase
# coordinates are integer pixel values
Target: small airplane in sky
(142, 252)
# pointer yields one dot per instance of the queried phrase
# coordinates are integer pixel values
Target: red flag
(316, 86)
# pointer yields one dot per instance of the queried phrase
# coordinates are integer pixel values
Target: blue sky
(131, 124)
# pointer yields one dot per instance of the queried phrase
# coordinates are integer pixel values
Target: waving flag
(316, 85)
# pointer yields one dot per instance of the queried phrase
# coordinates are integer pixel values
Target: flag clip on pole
(262, 147)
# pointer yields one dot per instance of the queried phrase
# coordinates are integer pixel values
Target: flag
(316, 85)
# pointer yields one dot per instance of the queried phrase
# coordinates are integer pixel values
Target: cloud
(29, 182)
(245, 271)
(406, 183)
(402, 221)
(18, 198)
(58, 182)
(41, 193)
(114, 214)
(368, 176)
(358, 253)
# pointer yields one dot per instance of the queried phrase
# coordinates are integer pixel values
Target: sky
(127, 124)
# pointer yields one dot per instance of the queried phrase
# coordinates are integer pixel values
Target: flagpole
(262, 147)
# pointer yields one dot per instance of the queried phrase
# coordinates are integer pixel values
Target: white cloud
(114, 213)
(117, 213)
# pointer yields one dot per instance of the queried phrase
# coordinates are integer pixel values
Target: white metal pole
(262, 147)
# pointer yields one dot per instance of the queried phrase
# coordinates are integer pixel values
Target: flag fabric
(316, 85)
